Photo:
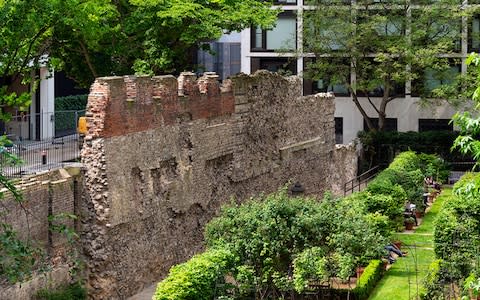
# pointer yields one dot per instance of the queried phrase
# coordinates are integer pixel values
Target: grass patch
(404, 280)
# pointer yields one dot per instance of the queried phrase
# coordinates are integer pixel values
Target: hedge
(457, 228)
(75, 102)
(367, 281)
(197, 278)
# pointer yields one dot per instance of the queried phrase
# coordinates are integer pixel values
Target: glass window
(327, 75)
(434, 124)
(282, 37)
(390, 124)
(436, 78)
(281, 65)
(474, 35)
(338, 130)
(288, 2)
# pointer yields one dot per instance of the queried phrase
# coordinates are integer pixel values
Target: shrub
(433, 289)
(367, 281)
(457, 229)
(17, 257)
(468, 186)
(197, 278)
(405, 161)
(433, 165)
(74, 291)
(267, 234)
(74, 102)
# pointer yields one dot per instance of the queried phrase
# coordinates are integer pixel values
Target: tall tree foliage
(469, 122)
(384, 44)
(150, 37)
(90, 38)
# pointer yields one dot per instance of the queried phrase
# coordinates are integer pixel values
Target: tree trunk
(362, 111)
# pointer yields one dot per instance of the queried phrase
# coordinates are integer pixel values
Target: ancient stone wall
(161, 155)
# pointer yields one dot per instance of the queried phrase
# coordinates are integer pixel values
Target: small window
(390, 124)
(339, 130)
(285, 2)
(474, 35)
(434, 125)
(282, 65)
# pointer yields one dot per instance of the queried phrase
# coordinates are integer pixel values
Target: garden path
(404, 280)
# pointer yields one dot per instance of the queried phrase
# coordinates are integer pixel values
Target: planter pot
(359, 271)
(409, 226)
(385, 264)
(430, 198)
(418, 214)
(398, 244)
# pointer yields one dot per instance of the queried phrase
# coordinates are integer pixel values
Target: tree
(469, 122)
(374, 48)
(100, 37)
(91, 38)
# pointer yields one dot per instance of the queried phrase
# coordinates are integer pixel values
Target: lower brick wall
(51, 193)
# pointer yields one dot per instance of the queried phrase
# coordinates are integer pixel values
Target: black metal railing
(362, 179)
(36, 156)
(22, 126)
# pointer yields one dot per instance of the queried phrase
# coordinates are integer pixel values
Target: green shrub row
(198, 278)
(281, 244)
(401, 181)
(75, 102)
(367, 281)
(457, 229)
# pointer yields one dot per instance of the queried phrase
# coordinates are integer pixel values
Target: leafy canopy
(90, 38)
(385, 44)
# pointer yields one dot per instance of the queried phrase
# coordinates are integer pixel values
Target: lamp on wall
(297, 189)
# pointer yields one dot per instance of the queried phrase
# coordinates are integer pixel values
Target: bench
(454, 176)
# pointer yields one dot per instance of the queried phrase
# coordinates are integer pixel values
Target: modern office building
(280, 49)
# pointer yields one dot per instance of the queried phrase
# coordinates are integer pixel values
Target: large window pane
(474, 35)
(283, 36)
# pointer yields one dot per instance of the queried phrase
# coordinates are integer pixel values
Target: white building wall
(47, 104)
(405, 110)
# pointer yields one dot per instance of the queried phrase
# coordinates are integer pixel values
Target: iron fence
(36, 156)
(56, 124)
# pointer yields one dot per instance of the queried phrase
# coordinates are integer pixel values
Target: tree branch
(371, 102)
(87, 59)
(360, 108)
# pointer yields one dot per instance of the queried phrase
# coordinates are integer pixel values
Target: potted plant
(409, 222)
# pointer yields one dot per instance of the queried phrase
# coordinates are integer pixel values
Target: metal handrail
(360, 179)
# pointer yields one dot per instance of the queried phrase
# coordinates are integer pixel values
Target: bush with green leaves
(75, 291)
(274, 236)
(17, 257)
(74, 102)
(431, 284)
(369, 278)
(198, 278)
(457, 231)
(434, 166)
